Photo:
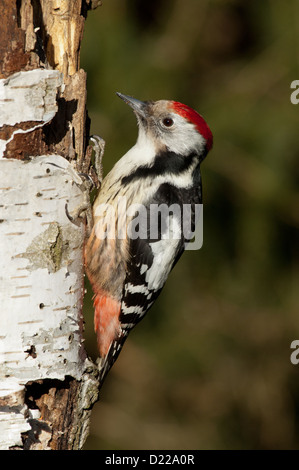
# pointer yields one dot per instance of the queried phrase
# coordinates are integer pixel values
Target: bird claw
(75, 216)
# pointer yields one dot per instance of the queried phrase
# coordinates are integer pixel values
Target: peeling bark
(47, 34)
(47, 383)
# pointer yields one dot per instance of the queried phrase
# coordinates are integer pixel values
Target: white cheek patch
(185, 138)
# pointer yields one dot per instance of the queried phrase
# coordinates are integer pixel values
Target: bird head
(171, 125)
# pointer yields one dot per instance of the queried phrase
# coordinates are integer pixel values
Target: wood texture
(48, 385)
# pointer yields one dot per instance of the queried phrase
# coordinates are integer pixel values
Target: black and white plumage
(130, 254)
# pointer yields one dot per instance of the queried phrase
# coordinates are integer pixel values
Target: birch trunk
(47, 383)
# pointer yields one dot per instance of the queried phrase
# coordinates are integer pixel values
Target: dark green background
(209, 367)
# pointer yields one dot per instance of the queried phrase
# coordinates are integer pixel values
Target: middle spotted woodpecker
(128, 269)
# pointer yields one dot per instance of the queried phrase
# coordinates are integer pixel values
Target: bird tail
(105, 363)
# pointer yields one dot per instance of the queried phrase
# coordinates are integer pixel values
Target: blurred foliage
(209, 367)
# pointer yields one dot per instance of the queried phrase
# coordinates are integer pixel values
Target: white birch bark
(41, 262)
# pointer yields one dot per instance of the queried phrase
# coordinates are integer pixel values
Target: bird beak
(139, 107)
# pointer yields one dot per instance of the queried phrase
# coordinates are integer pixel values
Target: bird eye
(168, 122)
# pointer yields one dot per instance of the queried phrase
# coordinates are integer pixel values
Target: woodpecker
(127, 273)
